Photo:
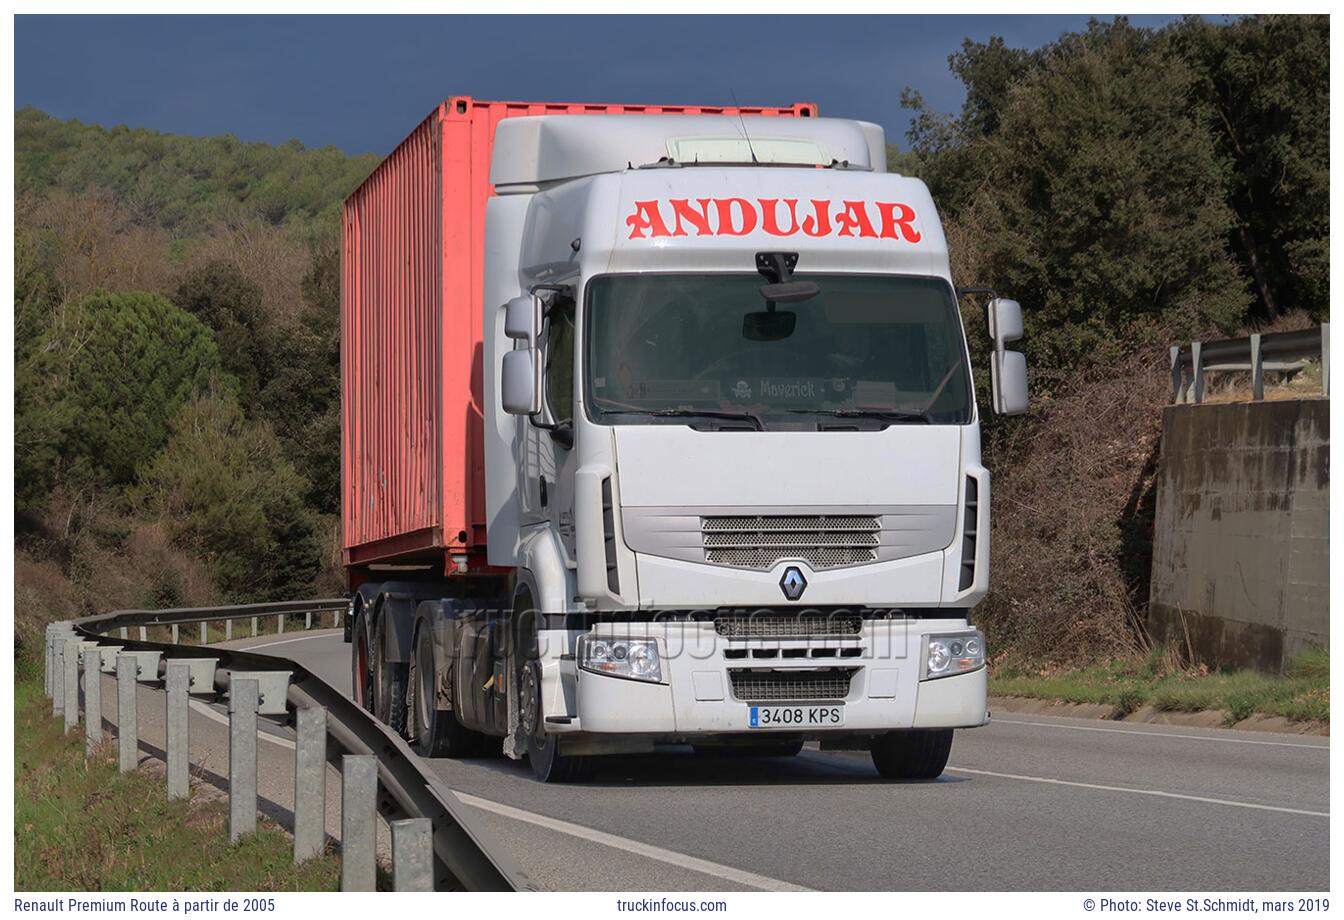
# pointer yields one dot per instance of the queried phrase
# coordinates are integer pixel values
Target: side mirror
(1008, 380)
(1005, 322)
(521, 320)
(520, 381)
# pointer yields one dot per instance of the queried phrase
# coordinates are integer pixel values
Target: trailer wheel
(548, 764)
(434, 732)
(361, 689)
(389, 686)
(916, 754)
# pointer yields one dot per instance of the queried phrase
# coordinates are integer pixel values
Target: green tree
(228, 493)
(96, 396)
(1262, 84)
(218, 295)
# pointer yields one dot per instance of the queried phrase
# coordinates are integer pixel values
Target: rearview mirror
(790, 291)
(1008, 381)
(768, 325)
(1005, 321)
(521, 319)
(520, 382)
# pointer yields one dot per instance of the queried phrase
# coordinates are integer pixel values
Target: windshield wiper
(879, 414)
(705, 413)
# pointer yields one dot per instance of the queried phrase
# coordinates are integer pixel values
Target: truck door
(550, 450)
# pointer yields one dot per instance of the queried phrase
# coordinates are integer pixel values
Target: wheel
(434, 732)
(548, 764)
(361, 687)
(916, 754)
(389, 686)
(756, 749)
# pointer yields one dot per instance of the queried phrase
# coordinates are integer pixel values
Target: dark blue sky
(362, 82)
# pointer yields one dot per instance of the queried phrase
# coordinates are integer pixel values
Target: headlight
(956, 654)
(636, 659)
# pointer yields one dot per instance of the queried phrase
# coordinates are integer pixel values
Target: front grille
(786, 626)
(790, 686)
(758, 541)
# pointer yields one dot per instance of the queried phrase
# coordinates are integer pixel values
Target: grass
(79, 825)
(1127, 684)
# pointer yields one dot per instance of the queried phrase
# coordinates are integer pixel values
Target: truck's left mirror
(520, 319)
(520, 382)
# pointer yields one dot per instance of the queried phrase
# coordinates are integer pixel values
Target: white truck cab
(732, 449)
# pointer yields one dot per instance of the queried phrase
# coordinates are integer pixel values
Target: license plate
(795, 716)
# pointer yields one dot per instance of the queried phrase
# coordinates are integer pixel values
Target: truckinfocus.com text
(659, 905)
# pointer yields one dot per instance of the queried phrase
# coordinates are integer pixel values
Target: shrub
(95, 398)
(226, 492)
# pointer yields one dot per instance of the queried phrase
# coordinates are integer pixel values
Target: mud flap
(515, 742)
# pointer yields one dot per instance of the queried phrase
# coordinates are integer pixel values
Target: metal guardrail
(1281, 352)
(435, 845)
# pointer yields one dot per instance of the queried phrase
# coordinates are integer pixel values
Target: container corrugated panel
(413, 236)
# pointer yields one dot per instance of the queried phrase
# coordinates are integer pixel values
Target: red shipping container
(413, 248)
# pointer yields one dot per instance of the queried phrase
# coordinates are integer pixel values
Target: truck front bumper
(710, 684)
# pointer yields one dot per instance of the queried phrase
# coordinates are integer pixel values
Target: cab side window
(560, 361)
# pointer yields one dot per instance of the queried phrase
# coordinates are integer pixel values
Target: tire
(916, 754)
(389, 686)
(434, 732)
(543, 753)
(361, 686)
(757, 749)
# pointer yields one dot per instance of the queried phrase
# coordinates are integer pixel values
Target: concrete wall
(1241, 553)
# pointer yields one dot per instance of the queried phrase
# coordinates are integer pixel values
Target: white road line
(1153, 792)
(322, 635)
(1158, 734)
(215, 716)
(681, 860)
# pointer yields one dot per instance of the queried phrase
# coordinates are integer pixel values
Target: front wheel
(915, 754)
(543, 750)
(361, 687)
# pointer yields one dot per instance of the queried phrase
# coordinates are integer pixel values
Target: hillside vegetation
(177, 331)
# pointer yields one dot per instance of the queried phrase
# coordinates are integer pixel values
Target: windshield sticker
(817, 217)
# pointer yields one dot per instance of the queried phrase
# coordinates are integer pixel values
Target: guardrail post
(1197, 372)
(1325, 359)
(336, 618)
(228, 630)
(128, 730)
(144, 634)
(243, 698)
(70, 706)
(1175, 373)
(205, 633)
(176, 636)
(1257, 368)
(310, 783)
(176, 742)
(93, 699)
(279, 623)
(359, 793)
(57, 674)
(308, 620)
(412, 855)
(254, 627)
(124, 633)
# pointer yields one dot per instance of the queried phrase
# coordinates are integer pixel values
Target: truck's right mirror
(1008, 380)
(520, 319)
(1005, 321)
(520, 382)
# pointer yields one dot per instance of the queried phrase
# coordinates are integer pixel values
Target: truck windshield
(867, 351)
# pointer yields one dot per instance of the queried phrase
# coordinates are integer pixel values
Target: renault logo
(793, 584)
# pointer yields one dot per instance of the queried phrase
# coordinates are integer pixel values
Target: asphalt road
(1027, 803)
